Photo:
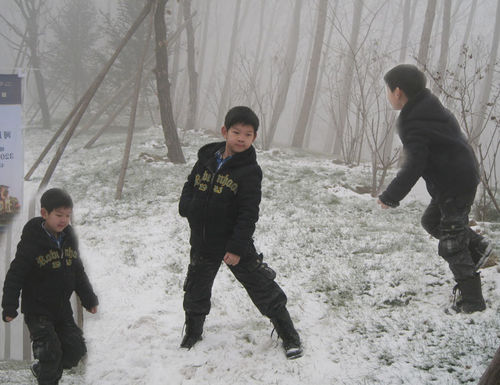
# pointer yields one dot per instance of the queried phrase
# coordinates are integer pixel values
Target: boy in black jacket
(437, 150)
(47, 268)
(221, 202)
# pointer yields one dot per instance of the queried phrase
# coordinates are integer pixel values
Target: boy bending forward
(437, 151)
(221, 202)
(47, 268)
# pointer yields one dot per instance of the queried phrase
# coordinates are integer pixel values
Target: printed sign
(11, 149)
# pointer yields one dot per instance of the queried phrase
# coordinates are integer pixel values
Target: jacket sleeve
(248, 199)
(416, 149)
(19, 269)
(187, 193)
(83, 287)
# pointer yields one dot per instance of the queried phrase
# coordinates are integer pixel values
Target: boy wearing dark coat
(437, 150)
(221, 202)
(47, 269)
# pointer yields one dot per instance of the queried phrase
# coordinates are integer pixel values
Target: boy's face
(57, 220)
(239, 137)
(397, 98)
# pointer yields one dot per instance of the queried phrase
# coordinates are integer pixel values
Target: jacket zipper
(211, 188)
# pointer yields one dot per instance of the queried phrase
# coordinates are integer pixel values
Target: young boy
(437, 151)
(47, 268)
(221, 202)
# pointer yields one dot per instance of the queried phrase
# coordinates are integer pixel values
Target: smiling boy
(47, 268)
(221, 202)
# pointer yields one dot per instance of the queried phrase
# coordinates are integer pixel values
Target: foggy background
(311, 69)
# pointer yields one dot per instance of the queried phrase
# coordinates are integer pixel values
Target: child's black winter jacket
(222, 206)
(46, 274)
(435, 149)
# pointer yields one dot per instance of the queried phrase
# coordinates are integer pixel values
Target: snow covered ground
(365, 286)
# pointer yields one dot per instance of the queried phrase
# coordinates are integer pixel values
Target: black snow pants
(256, 277)
(57, 345)
(448, 221)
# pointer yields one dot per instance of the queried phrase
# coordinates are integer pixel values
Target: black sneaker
(190, 340)
(286, 331)
(467, 296)
(292, 349)
(194, 330)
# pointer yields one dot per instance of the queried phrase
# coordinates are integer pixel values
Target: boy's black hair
(55, 198)
(408, 78)
(241, 114)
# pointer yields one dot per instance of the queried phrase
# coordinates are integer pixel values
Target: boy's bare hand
(93, 310)
(8, 319)
(384, 206)
(231, 259)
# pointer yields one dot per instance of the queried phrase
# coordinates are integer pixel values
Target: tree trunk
(317, 95)
(224, 98)
(286, 75)
(312, 77)
(175, 154)
(203, 54)
(81, 107)
(345, 95)
(425, 39)
(465, 41)
(31, 13)
(445, 44)
(193, 76)
(406, 30)
(485, 92)
(174, 75)
(133, 110)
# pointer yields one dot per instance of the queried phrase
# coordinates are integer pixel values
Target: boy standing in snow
(437, 151)
(47, 268)
(221, 202)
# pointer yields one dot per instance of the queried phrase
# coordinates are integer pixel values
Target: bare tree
(425, 39)
(31, 11)
(176, 53)
(133, 110)
(484, 98)
(286, 74)
(465, 39)
(224, 98)
(312, 77)
(193, 76)
(175, 154)
(203, 54)
(347, 76)
(445, 43)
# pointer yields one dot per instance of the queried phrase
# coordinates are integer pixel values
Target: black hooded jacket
(222, 206)
(435, 149)
(46, 274)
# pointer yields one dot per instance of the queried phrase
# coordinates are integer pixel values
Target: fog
(263, 59)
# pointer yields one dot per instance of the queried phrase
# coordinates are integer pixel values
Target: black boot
(286, 331)
(470, 298)
(194, 329)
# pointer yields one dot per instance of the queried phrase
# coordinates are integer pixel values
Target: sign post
(11, 149)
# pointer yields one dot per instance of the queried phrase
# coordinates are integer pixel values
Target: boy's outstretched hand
(92, 310)
(8, 319)
(231, 259)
